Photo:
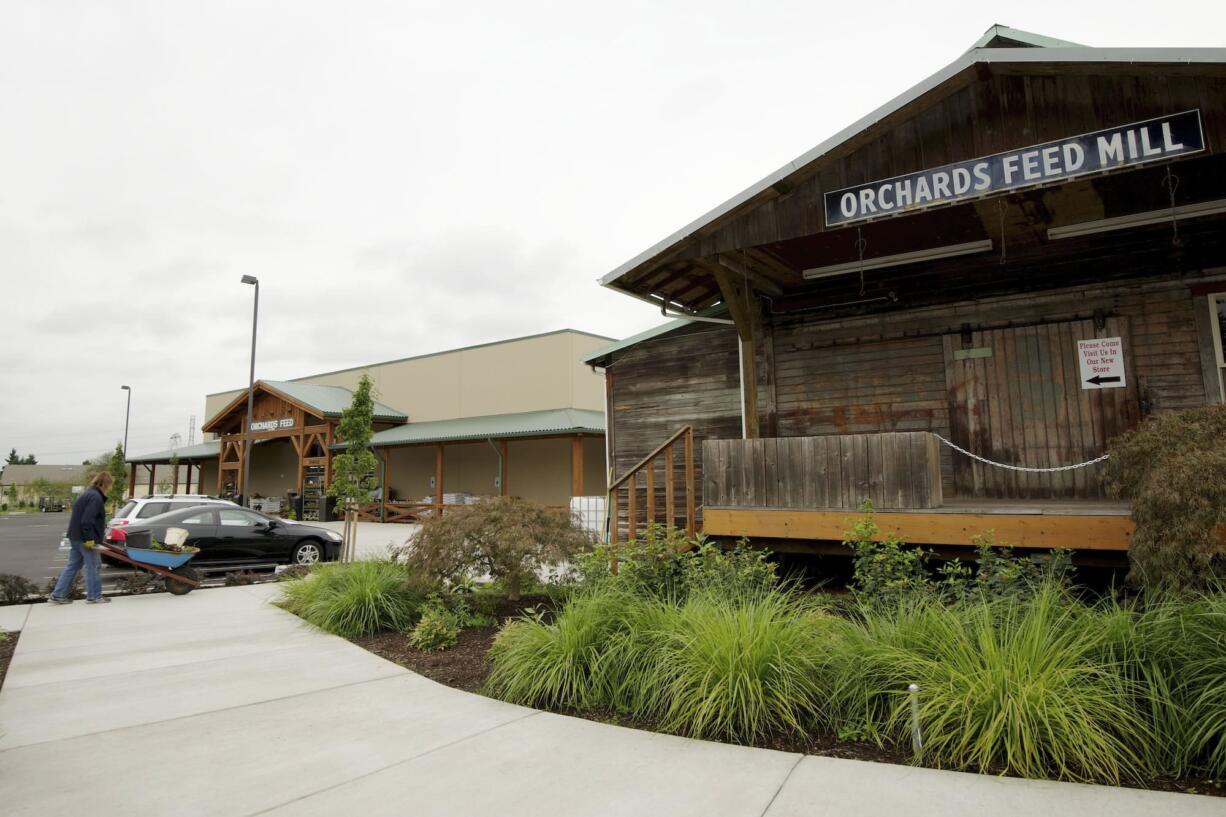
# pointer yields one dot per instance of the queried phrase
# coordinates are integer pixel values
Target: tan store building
(523, 416)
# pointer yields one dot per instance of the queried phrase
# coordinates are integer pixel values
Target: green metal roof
(329, 401)
(999, 35)
(199, 451)
(594, 357)
(494, 427)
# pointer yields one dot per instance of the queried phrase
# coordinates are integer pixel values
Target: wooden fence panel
(895, 470)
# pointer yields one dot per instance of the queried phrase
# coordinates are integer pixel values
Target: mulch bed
(7, 646)
(466, 666)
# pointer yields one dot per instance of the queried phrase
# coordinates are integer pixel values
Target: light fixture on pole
(255, 316)
(126, 416)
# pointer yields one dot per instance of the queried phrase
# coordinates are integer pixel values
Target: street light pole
(126, 416)
(255, 317)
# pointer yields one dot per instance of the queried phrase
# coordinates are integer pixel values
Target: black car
(236, 535)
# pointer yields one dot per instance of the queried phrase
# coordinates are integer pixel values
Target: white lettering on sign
(1102, 363)
(272, 425)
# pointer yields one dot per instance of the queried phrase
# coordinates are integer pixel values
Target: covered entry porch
(547, 457)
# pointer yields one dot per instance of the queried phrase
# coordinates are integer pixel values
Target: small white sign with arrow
(1102, 363)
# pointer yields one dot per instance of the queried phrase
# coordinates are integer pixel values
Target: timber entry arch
(304, 416)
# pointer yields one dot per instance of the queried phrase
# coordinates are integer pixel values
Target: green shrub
(508, 538)
(437, 629)
(884, 568)
(356, 598)
(664, 564)
(1172, 467)
(15, 589)
(1016, 684)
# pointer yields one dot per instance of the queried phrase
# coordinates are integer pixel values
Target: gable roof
(494, 427)
(999, 36)
(324, 401)
(329, 401)
(1033, 50)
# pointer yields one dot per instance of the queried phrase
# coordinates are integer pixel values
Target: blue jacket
(88, 520)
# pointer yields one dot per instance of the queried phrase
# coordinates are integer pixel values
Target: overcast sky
(402, 177)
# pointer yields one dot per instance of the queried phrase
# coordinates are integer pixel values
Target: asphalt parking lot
(30, 547)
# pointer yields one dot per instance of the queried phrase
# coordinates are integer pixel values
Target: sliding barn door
(1015, 396)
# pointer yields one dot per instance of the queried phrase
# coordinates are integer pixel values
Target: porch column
(502, 477)
(174, 479)
(576, 466)
(153, 467)
(438, 479)
(131, 480)
(744, 309)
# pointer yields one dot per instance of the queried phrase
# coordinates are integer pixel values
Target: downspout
(497, 451)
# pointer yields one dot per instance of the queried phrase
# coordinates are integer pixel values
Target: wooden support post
(576, 466)
(631, 507)
(438, 479)
(153, 467)
(505, 450)
(383, 486)
(670, 490)
(691, 528)
(174, 479)
(187, 483)
(240, 484)
(744, 309)
(650, 504)
(131, 480)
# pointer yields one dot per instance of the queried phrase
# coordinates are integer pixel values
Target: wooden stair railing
(665, 451)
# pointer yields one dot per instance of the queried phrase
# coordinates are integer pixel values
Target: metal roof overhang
(548, 423)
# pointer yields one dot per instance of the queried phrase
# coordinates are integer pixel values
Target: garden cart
(172, 565)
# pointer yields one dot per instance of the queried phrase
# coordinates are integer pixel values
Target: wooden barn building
(1020, 258)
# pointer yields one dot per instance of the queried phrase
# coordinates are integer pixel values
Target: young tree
(29, 459)
(119, 475)
(13, 459)
(353, 470)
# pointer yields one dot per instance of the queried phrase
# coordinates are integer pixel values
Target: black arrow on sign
(1098, 380)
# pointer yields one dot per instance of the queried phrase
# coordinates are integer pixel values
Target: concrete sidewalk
(217, 703)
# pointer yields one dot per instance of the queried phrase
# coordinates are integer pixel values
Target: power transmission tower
(191, 431)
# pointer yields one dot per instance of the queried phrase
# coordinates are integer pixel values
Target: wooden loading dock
(1025, 310)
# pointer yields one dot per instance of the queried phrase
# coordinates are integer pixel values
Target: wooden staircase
(655, 473)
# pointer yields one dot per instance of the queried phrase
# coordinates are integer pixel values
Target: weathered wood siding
(687, 377)
(898, 470)
(889, 373)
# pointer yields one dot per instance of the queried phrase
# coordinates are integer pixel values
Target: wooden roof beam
(755, 279)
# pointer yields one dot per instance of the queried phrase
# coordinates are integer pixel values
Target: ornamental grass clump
(740, 668)
(713, 666)
(356, 598)
(553, 663)
(1173, 651)
(1019, 685)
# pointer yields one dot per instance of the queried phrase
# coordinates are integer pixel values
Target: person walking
(86, 527)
